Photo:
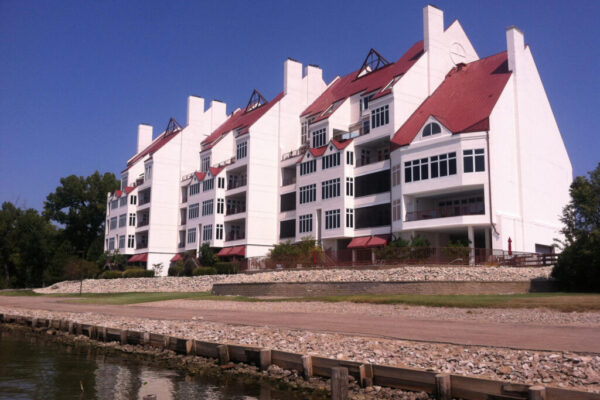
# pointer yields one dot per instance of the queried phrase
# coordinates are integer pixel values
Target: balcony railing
(141, 245)
(235, 210)
(226, 162)
(143, 222)
(294, 153)
(231, 236)
(448, 211)
(290, 180)
(232, 184)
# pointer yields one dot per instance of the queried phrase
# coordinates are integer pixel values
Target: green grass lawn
(566, 302)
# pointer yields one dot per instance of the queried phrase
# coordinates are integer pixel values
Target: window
(330, 188)
(208, 184)
(332, 219)
(372, 216)
(194, 211)
(207, 207)
(207, 233)
(396, 174)
(130, 241)
(242, 150)
(349, 218)
(364, 104)
(133, 200)
(194, 189)
(366, 128)
(113, 223)
(191, 235)
(319, 138)
(220, 206)
(431, 129)
(308, 167)
(147, 172)
(288, 202)
(473, 160)
(350, 187)
(377, 182)
(308, 193)
(219, 232)
(122, 241)
(380, 116)
(287, 228)
(396, 215)
(332, 160)
(365, 156)
(132, 219)
(304, 133)
(435, 166)
(111, 243)
(350, 157)
(122, 220)
(221, 183)
(123, 201)
(205, 163)
(305, 223)
(114, 204)
(124, 181)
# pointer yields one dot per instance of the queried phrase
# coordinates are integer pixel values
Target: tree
(578, 266)
(79, 204)
(207, 256)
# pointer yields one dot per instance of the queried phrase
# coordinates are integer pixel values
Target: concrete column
(471, 233)
(488, 243)
(353, 256)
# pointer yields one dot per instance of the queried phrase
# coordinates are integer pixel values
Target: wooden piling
(307, 366)
(189, 347)
(264, 359)
(537, 393)
(223, 352)
(339, 383)
(146, 338)
(443, 388)
(365, 372)
(123, 338)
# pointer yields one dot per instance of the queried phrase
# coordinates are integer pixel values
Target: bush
(227, 268)
(138, 273)
(578, 266)
(111, 274)
(455, 250)
(176, 269)
(189, 264)
(198, 271)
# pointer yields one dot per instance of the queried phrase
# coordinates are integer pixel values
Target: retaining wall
(311, 289)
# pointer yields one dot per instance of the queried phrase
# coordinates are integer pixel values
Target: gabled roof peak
(256, 100)
(373, 62)
(172, 127)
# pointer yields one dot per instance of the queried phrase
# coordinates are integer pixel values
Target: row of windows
(330, 161)
(308, 193)
(191, 235)
(305, 223)
(308, 167)
(330, 188)
(207, 207)
(207, 233)
(440, 165)
(242, 150)
(194, 189)
(121, 242)
(332, 219)
(123, 201)
(473, 160)
(208, 184)
(380, 116)
(194, 211)
(319, 138)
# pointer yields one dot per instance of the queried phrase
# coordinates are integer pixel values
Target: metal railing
(226, 162)
(231, 210)
(447, 211)
(231, 236)
(142, 245)
(294, 153)
(242, 181)
(288, 181)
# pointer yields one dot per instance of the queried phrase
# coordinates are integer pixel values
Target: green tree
(578, 266)
(79, 204)
(207, 256)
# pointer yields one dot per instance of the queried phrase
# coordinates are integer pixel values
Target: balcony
(144, 197)
(476, 208)
(141, 245)
(231, 236)
(294, 153)
(231, 210)
(236, 182)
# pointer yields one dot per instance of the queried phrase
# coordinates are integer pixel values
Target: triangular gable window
(172, 127)
(373, 62)
(256, 100)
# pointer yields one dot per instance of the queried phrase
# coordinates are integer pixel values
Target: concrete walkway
(518, 336)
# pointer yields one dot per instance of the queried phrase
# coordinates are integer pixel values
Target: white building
(438, 143)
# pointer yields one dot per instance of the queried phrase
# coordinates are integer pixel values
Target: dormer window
(431, 129)
(373, 62)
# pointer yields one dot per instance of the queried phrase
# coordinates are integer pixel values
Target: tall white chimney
(515, 47)
(195, 110)
(217, 114)
(292, 76)
(314, 82)
(435, 48)
(144, 136)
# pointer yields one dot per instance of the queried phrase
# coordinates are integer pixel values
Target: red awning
(225, 251)
(377, 241)
(176, 257)
(359, 242)
(238, 251)
(143, 257)
(133, 258)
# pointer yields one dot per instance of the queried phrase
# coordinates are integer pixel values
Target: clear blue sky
(77, 77)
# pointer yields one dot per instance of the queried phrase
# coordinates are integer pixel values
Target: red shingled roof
(350, 85)
(200, 176)
(214, 171)
(464, 100)
(241, 119)
(159, 142)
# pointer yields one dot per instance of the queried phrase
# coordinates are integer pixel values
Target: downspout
(487, 142)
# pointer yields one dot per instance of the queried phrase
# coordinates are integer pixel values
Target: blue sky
(77, 77)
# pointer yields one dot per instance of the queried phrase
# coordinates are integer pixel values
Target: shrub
(456, 250)
(207, 256)
(198, 271)
(227, 268)
(111, 274)
(578, 266)
(138, 273)
(176, 269)
(189, 264)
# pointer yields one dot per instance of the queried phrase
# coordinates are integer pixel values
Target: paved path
(520, 336)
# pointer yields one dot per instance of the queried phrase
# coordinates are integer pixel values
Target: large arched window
(431, 129)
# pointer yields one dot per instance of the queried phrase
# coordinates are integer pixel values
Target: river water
(36, 367)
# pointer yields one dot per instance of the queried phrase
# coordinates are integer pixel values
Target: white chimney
(515, 47)
(314, 82)
(292, 76)
(433, 26)
(217, 114)
(195, 110)
(144, 136)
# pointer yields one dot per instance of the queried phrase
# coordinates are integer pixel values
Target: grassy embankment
(566, 302)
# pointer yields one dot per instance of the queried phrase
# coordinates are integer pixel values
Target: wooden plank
(157, 340)
(479, 388)
(322, 366)
(339, 383)
(244, 354)
(134, 337)
(553, 393)
(177, 345)
(287, 360)
(223, 351)
(113, 335)
(404, 378)
(206, 349)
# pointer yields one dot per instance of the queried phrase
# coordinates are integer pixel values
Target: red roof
(377, 241)
(340, 145)
(224, 251)
(177, 257)
(118, 193)
(350, 85)
(159, 142)
(129, 189)
(359, 242)
(200, 176)
(464, 100)
(319, 151)
(232, 251)
(215, 171)
(241, 119)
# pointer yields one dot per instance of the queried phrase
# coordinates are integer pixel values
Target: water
(36, 367)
